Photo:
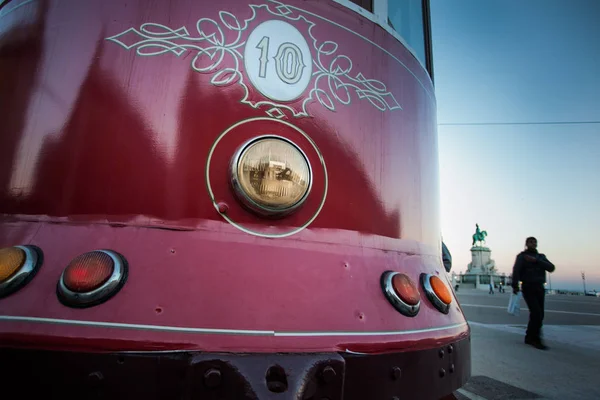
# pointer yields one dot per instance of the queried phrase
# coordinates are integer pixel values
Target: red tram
(222, 200)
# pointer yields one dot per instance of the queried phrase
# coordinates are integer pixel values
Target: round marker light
(88, 271)
(406, 289)
(11, 259)
(402, 292)
(437, 292)
(92, 278)
(440, 290)
(271, 175)
(18, 266)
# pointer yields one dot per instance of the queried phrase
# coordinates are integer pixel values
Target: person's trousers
(534, 294)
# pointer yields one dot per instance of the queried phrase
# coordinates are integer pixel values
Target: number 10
(289, 63)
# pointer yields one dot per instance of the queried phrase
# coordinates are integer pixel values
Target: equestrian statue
(479, 236)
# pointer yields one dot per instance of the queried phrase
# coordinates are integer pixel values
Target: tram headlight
(271, 175)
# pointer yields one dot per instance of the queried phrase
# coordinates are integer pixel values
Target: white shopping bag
(514, 304)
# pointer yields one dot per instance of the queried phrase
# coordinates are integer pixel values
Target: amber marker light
(271, 175)
(401, 292)
(11, 259)
(18, 265)
(437, 292)
(92, 278)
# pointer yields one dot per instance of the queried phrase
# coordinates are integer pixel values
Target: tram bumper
(422, 374)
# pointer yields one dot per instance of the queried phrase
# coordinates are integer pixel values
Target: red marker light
(406, 289)
(92, 278)
(401, 292)
(88, 271)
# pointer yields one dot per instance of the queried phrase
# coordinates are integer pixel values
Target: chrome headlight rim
(101, 294)
(34, 258)
(246, 200)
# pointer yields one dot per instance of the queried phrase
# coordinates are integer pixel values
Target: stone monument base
(480, 281)
(481, 270)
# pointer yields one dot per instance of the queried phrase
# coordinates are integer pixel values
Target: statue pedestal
(481, 270)
(481, 261)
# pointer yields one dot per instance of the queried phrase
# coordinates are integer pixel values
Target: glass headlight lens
(273, 174)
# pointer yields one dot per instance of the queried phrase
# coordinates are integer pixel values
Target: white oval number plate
(278, 60)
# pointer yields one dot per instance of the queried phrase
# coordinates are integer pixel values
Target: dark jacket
(531, 272)
(446, 257)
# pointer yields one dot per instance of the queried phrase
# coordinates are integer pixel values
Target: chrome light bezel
(433, 298)
(34, 258)
(389, 292)
(101, 294)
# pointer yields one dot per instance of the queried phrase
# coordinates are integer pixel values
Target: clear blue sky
(520, 61)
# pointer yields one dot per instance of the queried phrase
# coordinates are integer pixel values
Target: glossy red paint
(110, 125)
(103, 148)
(299, 287)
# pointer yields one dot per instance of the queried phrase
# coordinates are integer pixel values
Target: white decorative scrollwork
(333, 76)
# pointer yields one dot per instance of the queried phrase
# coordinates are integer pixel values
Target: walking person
(491, 287)
(530, 268)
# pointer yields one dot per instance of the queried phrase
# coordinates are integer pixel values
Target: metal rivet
(276, 379)
(450, 349)
(95, 376)
(442, 372)
(212, 378)
(442, 353)
(451, 368)
(328, 374)
(396, 373)
(95, 379)
(223, 208)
